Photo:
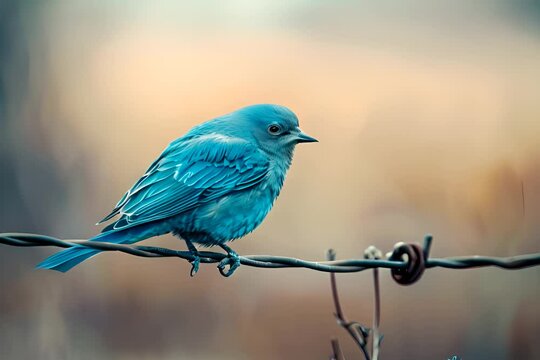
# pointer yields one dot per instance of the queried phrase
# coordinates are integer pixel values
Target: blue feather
(66, 259)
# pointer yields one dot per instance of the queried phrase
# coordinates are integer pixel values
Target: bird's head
(274, 127)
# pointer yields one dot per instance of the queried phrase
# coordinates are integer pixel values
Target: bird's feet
(195, 257)
(232, 259)
(195, 263)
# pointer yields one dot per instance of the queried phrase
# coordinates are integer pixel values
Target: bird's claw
(233, 260)
(195, 263)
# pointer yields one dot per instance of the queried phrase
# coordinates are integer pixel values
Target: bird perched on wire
(215, 184)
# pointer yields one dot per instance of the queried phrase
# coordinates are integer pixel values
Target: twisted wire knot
(415, 257)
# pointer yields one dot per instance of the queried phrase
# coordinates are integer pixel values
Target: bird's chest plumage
(235, 214)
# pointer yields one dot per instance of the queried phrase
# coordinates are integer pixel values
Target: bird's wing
(187, 174)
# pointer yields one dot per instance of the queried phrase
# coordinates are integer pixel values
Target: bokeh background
(428, 116)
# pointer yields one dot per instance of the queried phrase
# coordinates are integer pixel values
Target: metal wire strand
(400, 261)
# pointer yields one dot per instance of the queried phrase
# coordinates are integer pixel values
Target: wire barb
(413, 255)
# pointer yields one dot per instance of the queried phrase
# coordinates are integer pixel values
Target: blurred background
(428, 116)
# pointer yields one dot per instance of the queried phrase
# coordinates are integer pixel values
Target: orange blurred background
(428, 116)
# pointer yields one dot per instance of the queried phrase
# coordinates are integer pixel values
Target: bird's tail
(64, 260)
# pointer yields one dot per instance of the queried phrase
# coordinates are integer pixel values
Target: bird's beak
(304, 138)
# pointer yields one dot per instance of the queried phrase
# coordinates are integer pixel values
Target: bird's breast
(236, 214)
(276, 176)
(232, 216)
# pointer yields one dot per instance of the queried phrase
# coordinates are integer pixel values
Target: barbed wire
(407, 262)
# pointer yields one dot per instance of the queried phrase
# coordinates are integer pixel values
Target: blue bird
(215, 184)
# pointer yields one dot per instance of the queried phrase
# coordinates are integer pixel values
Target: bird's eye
(274, 129)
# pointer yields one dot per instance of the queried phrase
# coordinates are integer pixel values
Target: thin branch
(355, 330)
(374, 254)
(376, 316)
(337, 354)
